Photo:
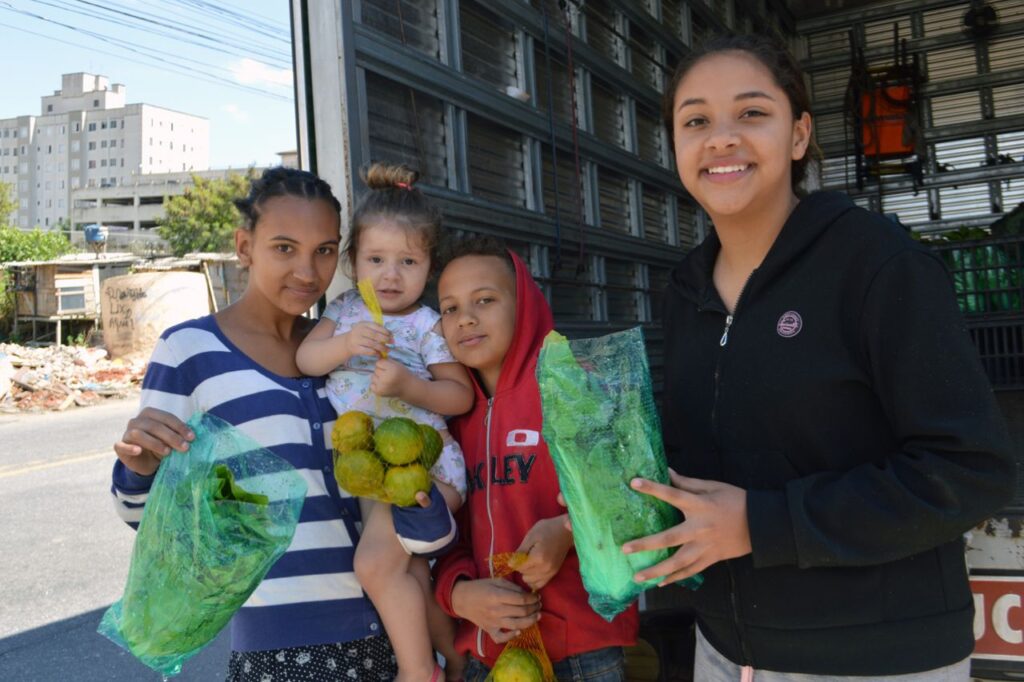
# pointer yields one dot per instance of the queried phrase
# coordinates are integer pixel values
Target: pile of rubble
(55, 378)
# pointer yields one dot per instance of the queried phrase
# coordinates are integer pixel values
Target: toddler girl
(394, 234)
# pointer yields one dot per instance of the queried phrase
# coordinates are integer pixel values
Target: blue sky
(226, 60)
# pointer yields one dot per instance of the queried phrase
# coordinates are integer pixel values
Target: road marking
(43, 464)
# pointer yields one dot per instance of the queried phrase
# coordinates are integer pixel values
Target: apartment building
(87, 135)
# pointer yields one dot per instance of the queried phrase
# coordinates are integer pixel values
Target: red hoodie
(512, 485)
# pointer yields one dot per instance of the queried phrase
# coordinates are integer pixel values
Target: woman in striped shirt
(309, 618)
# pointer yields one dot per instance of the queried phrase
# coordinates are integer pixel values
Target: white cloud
(236, 113)
(251, 72)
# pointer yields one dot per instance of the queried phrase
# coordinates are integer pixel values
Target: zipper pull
(725, 333)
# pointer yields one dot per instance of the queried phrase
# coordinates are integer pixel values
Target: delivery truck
(539, 121)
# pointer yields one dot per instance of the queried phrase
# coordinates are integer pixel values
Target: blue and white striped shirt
(310, 596)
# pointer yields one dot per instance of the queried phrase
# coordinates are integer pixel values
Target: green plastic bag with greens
(602, 429)
(215, 521)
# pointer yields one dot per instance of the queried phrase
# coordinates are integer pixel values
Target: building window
(78, 127)
(49, 149)
(103, 163)
(92, 126)
(63, 130)
(172, 145)
(103, 144)
(92, 146)
(95, 102)
(49, 108)
(103, 125)
(122, 163)
(76, 145)
(92, 164)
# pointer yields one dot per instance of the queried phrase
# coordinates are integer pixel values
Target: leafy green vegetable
(204, 544)
(602, 429)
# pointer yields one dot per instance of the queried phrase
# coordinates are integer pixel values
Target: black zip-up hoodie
(847, 399)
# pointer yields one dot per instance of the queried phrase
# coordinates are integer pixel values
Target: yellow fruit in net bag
(517, 665)
(352, 431)
(398, 441)
(360, 472)
(402, 483)
(432, 445)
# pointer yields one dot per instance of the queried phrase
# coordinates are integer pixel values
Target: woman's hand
(715, 528)
(367, 338)
(500, 608)
(150, 436)
(390, 379)
(546, 544)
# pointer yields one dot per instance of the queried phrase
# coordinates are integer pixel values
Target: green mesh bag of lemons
(390, 462)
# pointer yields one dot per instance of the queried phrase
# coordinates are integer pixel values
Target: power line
(241, 19)
(101, 36)
(218, 47)
(181, 70)
(219, 41)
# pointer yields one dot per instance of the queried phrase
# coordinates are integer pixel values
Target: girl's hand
(150, 436)
(500, 608)
(546, 543)
(390, 379)
(715, 528)
(367, 338)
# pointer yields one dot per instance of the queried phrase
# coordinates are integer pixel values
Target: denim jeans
(602, 665)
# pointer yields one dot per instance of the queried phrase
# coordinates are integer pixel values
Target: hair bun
(389, 176)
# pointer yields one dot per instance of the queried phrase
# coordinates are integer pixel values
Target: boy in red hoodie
(495, 318)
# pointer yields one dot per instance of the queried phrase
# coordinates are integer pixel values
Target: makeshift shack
(49, 293)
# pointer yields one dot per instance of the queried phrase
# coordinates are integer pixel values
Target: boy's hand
(367, 338)
(501, 608)
(546, 544)
(390, 379)
(149, 437)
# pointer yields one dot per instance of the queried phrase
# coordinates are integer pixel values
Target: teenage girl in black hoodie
(834, 427)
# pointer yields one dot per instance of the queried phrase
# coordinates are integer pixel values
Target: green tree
(16, 245)
(8, 204)
(204, 218)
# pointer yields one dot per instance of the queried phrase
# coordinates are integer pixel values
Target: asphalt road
(64, 553)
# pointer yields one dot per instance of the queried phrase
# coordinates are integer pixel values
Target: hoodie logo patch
(522, 438)
(789, 324)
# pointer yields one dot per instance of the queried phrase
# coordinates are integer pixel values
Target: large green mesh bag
(215, 521)
(602, 429)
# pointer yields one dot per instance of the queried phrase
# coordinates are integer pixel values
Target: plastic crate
(988, 274)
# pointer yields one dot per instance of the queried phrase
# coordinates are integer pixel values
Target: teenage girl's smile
(727, 172)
